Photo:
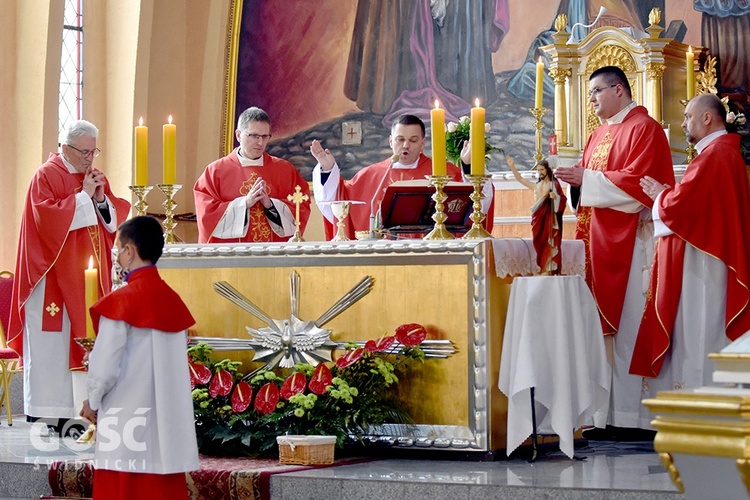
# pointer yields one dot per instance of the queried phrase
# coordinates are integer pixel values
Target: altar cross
(297, 198)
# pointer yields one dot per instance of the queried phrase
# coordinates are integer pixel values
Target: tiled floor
(602, 470)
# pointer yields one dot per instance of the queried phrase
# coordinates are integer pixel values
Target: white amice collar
(247, 162)
(401, 166)
(70, 167)
(618, 117)
(701, 145)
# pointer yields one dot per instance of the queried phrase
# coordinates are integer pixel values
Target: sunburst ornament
(285, 342)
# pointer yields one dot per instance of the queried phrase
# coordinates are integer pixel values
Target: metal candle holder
(169, 205)
(477, 231)
(538, 124)
(140, 193)
(439, 232)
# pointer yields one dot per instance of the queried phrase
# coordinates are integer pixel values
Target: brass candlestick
(169, 205)
(439, 232)
(297, 198)
(140, 193)
(477, 231)
(538, 124)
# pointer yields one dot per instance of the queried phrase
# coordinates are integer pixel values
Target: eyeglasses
(86, 152)
(599, 90)
(258, 137)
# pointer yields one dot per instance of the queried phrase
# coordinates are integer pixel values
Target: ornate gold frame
(230, 87)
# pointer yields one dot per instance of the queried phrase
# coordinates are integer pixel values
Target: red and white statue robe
(700, 283)
(139, 384)
(614, 221)
(61, 228)
(220, 200)
(364, 185)
(546, 228)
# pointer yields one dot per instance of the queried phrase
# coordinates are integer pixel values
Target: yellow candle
(91, 280)
(477, 139)
(170, 152)
(141, 154)
(539, 83)
(690, 65)
(437, 121)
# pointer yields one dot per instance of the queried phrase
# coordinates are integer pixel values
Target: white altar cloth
(553, 342)
(517, 257)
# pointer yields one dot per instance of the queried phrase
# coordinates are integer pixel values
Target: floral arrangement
(243, 415)
(457, 133)
(736, 119)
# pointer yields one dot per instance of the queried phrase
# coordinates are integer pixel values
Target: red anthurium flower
(241, 396)
(321, 379)
(350, 358)
(294, 384)
(411, 334)
(267, 398)
(380, 345)
(221, 384)
(199, 374)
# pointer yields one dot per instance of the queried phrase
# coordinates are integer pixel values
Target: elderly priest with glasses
(70, 216)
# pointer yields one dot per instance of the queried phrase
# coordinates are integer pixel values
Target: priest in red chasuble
(407, 141)
(700, 283)
(614, 221)
(243, 196)
(70, 214)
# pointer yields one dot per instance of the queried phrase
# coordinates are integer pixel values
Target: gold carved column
(560, 76)
(654, 72)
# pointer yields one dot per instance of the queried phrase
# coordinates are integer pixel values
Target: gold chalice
(340, 210)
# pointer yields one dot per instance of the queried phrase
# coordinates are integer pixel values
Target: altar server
(700, 285)
(70, 215)
(614, 221)
(138, 384)
(243, 196)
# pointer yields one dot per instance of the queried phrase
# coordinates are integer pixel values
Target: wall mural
(341, 71)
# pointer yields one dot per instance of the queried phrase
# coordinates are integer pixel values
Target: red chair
(9, 360)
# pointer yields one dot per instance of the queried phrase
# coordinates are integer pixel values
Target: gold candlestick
(439, 232)
(477, 231)
(538, 124)
(140, 193)
(169, 204)
(297, 198)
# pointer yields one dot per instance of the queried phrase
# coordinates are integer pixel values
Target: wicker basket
(306, 450)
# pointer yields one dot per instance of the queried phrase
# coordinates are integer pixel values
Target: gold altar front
(450, 287)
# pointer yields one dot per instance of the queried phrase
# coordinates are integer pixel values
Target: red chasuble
(363, 185)
(47, 248)
(145, 302)
(710, 210)
(625, 152)
(226, 179)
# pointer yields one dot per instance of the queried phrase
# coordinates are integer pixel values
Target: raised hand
(324, 156)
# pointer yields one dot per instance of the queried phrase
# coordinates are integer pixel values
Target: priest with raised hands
(138, 382)
(407, 141)
(700, 284)
(243, 196)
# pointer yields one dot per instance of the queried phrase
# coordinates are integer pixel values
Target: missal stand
(407, 208)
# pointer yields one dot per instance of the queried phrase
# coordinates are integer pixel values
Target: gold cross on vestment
(297, 198)
(52, 309)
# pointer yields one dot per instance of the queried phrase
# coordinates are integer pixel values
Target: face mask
(119, 274)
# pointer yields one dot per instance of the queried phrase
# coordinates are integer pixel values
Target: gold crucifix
(297, 198)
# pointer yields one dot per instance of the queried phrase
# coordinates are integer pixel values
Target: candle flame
(91, 262)
(476, 102)
(437, 104)
(170, 119)
(690, 49)
(539, 60)
(140, 122)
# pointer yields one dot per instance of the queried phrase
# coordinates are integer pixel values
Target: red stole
(624, 152)
(714, 191)
(47, 248)
(226, 179)
(145, 302)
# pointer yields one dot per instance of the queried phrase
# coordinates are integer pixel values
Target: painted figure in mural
(546, 216)
(614, 221)
(407, 53)
(70, 215)
(699, 290)
(243, 196)
(407, 141)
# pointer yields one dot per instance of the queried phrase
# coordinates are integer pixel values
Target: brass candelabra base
(477, 231)
(439, 232)
(140, 193)
(169, 205)
(538, 125)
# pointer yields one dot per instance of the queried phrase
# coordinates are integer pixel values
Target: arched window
(71, 65)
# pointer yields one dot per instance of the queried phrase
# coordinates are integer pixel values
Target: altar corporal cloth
(553, 342)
